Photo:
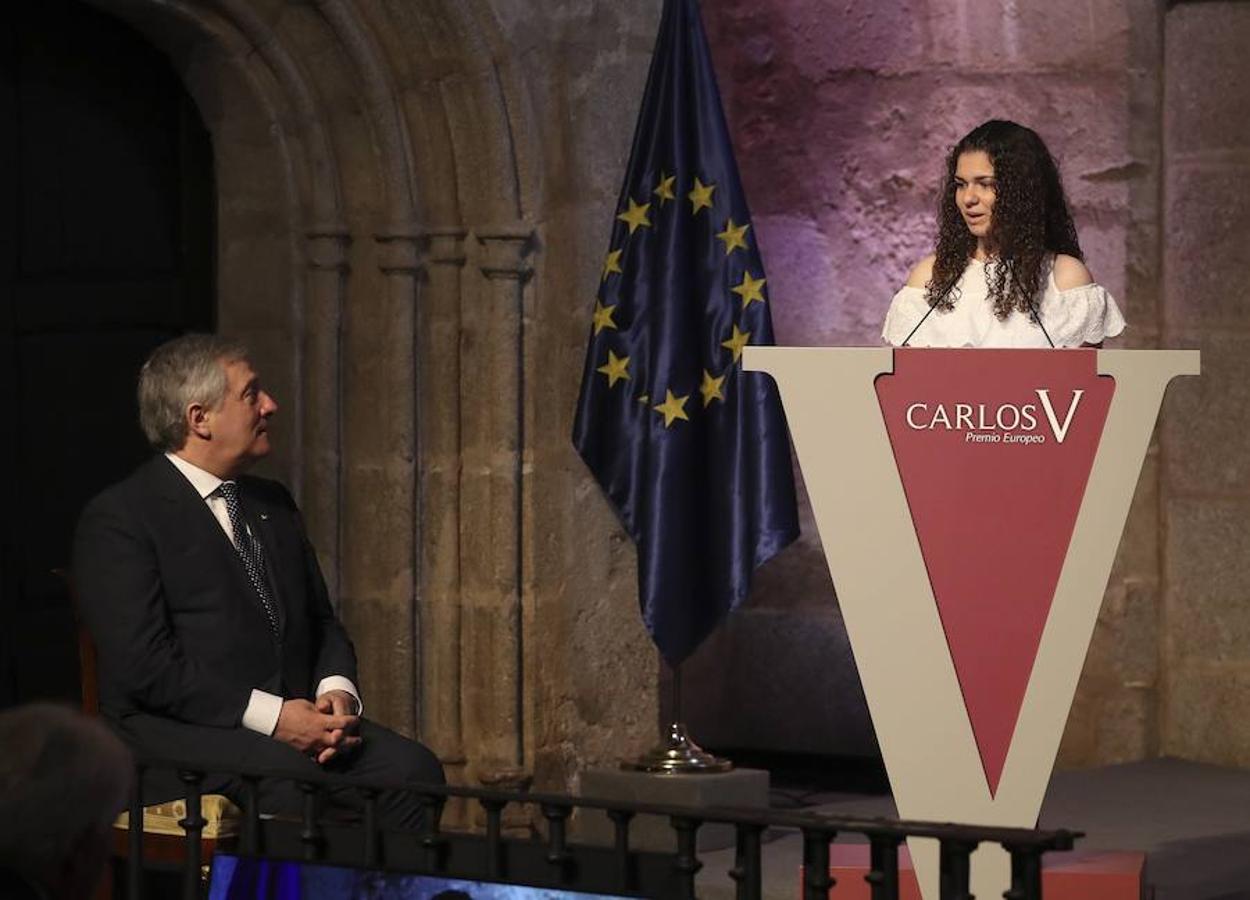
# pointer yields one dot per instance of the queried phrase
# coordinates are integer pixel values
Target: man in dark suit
(217, 641)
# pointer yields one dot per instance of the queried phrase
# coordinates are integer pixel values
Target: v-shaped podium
(970, 503)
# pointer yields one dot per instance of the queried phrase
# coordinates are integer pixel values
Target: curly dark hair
(1030, 219)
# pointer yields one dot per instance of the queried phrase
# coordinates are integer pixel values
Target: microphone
(1032, 307)
(1038, 319)
(918, 324)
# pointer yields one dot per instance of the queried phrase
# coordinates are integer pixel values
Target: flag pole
(677, 753)
(682, 292)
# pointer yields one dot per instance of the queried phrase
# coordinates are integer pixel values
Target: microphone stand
(677, 753)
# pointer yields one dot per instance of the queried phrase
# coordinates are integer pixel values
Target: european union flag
(692, 452)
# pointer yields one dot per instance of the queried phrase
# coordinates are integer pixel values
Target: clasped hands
(323, 730)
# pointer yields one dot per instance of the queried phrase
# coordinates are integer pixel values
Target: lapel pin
(264, 517)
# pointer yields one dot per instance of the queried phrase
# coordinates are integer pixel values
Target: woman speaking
(1008, 270)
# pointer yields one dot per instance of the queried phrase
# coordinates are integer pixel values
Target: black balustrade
(134, 844)
(251, 815)
(372, 857)
(1026, 872)
(687, 862)
(816, 878)
(882, 874)
(193, 825)
(747, 871)
(623, 861)
(550, 860)
(494, 837)
(310, 832)
(956, 869)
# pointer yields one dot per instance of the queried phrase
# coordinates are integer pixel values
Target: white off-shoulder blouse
(1080, 315)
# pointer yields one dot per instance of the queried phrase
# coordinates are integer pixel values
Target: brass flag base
(678, 755)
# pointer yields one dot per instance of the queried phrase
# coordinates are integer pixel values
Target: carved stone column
(438, 493)
(320, 395)
(379, 483)
(492, 390)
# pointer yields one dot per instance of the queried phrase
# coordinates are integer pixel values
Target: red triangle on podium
(994, 448)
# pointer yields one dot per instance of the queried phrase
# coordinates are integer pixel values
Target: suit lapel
(198, 521)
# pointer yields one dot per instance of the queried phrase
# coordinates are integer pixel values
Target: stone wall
(1204, 621)
(415, 199)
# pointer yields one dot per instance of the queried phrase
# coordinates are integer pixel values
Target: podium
(970, 503)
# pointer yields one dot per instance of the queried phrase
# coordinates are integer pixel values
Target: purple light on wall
(842, 114)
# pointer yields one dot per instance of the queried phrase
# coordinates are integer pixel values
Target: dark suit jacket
(179, 628)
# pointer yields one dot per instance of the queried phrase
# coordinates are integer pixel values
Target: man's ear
(199, 421)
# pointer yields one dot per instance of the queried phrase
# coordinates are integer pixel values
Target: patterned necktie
(250, 551)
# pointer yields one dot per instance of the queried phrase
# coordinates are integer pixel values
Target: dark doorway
(106, 249)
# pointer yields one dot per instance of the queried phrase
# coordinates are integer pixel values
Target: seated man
(216, 638)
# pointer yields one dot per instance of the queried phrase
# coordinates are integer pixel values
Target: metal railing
(551, 861)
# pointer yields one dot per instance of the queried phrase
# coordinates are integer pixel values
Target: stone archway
(373, 252)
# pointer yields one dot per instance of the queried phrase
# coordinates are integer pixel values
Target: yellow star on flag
(710, 389)
(749, 289)
(734, 236)
(664, 190)
(701, 196)
(615, 368)
(737, 342)
(603, 317)
(611, 264)
(636, 216)
(672, 408)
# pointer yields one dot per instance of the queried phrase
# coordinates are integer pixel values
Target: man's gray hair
(179, 373)
(63, 779)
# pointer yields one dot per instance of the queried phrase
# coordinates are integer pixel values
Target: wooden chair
(163, 839)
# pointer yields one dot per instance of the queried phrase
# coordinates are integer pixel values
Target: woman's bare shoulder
(1070, 272)
(921, 272)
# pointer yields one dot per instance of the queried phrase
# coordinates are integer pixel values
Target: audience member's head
(63, 779)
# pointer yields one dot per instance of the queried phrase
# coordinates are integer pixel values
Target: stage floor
(1191, 820)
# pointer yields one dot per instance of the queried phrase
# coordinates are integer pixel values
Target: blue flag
(692, 451)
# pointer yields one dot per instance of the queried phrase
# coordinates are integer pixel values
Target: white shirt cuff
(263, 710)
(339, 683)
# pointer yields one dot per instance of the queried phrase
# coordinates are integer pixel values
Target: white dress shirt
(263, 708)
